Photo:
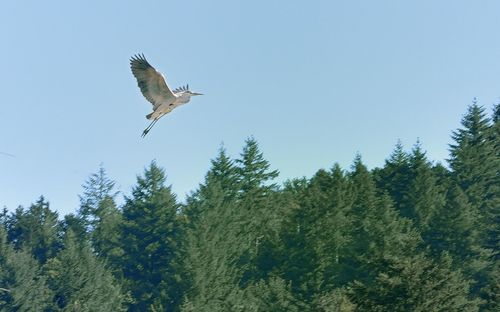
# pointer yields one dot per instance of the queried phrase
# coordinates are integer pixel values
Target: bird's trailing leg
(149, 127)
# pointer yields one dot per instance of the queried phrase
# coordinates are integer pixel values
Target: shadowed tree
(80, 281)
(35, 230)
(22, 286)
(475, 165)
(150, 241)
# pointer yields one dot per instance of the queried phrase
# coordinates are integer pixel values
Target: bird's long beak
(194, 93)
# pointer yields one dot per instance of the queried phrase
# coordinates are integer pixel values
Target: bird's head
(185, 90)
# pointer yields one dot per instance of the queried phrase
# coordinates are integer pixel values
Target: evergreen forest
(411, 235)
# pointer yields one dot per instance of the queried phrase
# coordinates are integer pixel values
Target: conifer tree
(316, 233)
(35, 230)
(150, 241)
(415, 284)
(272, 294)
(211, 246)
(106, 234)
(221, 176)
(475, 168)
(22, 286)
(394, 178)
(253, 170)
(473, 160)
(453, 227)
(211, 253)
(96, 189)
(424, 197)
(335, 300)
(259, 212)
(80, 281)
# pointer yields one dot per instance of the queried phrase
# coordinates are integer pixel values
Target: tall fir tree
(453, 230)
(417, 284)
(253, 170)
(476, 169)
(258, 210)
(96, 189)
(22, 285)
(150, 241)
(212, 276)
(390, 272)
(223, 172)
(211, 252)
(80, 281)
(424, 196)
(316, 233)
(36, 230)
(394, 178)
(106, 234)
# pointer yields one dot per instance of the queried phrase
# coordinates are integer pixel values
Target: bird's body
(155, 89)
(167, 106)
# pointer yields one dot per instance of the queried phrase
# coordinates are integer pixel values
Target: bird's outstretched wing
(151, 82)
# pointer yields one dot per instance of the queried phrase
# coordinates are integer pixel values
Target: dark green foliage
(22, 286)
(414, 284)
(106, 234)
(253, 170)
(35, 230)
(95, 190)
(475, 164)
(211, 247)
(222, 177)
(424, 196)
(334, 301)
(394, 178)
(150, 241)
(80, 281)
(317, 232)
(409, 236)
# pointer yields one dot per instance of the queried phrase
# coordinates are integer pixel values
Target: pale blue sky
(313, 81)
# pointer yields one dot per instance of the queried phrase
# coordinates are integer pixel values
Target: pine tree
(473, 161)
(316, 233)
(22, 286)
(212, 250)
(253, 170)
(272, 294)
(259, 211)
(492, 209)
(390, 272)
(209, 262)
(106, 234)
(475, 168)
(424, 197)
(80, 281)
(335, 300)
(223, 173)
(297, 256)
(35, 230)
(415, 284)
(453, 228)
(394, 178)
(150, 241)
(96, 189)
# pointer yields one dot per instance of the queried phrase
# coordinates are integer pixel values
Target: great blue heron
(155, 89)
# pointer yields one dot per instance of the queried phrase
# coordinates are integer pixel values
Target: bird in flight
(155, 89)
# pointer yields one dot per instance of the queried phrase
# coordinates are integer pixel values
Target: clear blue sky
(313, 81)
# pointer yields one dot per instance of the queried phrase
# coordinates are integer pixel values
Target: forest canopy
(412, 235)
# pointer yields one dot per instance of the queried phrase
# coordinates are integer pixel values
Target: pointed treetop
(153, 181)
(253, 169)
(398, 156)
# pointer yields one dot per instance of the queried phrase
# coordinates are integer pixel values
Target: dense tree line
(410, 236)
